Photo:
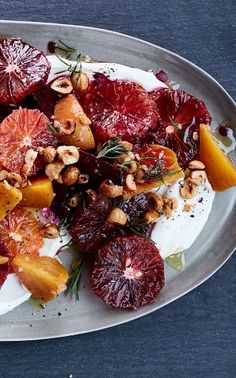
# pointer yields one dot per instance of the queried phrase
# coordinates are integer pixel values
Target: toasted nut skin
(198, 177)
(130, 183)
(127, 145)
(117, 216)
(70, 176)
(108, 189)
(196, 164)
(155, 201)
(189, 189)
(62, 85)
(49, 231)
(187, 207)
(151, 216)
(3, 260)
(83, 178)
(68, 154)
(49, 154)
(53, 170)
(81, 82)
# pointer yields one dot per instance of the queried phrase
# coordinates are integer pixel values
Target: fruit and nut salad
(112, 159)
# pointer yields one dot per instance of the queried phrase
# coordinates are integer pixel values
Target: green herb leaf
(112, 149)
(73, 282)
(52, 129)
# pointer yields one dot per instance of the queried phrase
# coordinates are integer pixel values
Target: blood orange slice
(22, 130)
(128, 272)
(20, 232)
(119, 108)
(180, 117)
(23, 69)
(5, 268)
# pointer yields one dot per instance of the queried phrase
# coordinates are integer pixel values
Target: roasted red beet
(180, 117)
(23, 69)
(90, 227)
(118, 108)
(6, 268)
(44, 99)
(128, 272)
(98, 169)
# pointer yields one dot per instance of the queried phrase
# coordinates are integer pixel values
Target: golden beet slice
(38, 194)
(220, 171)
(43, 276)
(9, 198)
(68, 108)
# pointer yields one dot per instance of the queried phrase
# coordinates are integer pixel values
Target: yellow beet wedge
(68, 108)
(9, 198)
(39, 194)
(43, 276)
(219, 169)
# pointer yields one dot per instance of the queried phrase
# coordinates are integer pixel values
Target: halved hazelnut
(130, 183)
(109, 189)
(196, 164)
(80, 81)
(30, 158)
(155, 201)
(151, 216)
(70, 176)
(48, 153)
(62, 85)
(66, 127)
(53, 170)
(68, 154)
(117, 216)
(83, 178)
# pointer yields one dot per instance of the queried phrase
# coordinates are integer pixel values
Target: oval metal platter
(215, 243)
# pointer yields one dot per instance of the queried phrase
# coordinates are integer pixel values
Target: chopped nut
(139, 175)
(128, 146)
(195, 135)
(130, 183)
(3, 260)
(108, 189)
(12, 178)
(49, 154)
(151, 216)
(189, 189)
(73, 202)
(91, 196)
(53, 171)
(70, 176)
(30, 158)
(80, 82)
(62, 85)
(68, 154)
(169, 206)
(198, 177)
(117, 216)
(173, 203)
(132, 167)
(155, 201)
(83, 178)
(187, 207)
(49, 231)
(187, 172)
(66, 127)
(196, 164)
(131, 155)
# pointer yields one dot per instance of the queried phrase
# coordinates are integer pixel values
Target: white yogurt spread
(171, 235)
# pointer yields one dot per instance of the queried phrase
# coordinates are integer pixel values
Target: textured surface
(193, 336)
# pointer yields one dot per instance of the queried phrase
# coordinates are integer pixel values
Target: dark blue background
(195, 336)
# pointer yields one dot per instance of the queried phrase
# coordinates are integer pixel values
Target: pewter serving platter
(216, 242)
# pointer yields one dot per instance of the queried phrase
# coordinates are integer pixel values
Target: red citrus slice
(128, 272)
(23, 69)
(119, 108)
(180, 117)
(20, 232)
(22, 130)
(5, 268)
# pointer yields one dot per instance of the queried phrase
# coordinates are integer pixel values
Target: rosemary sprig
(73, 282)
(72, 68)
(70, 51)
(52, 129)
(112, 149)
(137, 227)
(176, 126)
